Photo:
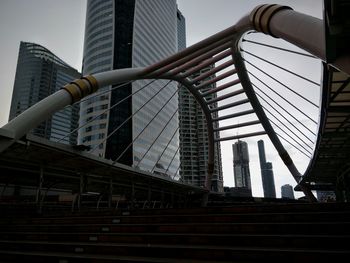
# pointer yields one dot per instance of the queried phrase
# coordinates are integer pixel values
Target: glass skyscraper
(241, 164)
(181, 31)
(266, 172)
(39, 74)
(124, 34)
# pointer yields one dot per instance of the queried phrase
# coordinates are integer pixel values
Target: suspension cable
(95, 95)
(126, 120)
(104, 92)
(166, 147)
(149, 148)
(282, 115)
(100, 93)
(108, 109)
(284, 69)
(303, 113)
(178, 148)
(305, 152)
(291, 144)
(279, 48)
(178, 168)
(165, 104)
(286, 128)
(287, 133)
(282, 84)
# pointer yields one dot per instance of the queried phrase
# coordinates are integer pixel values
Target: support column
(110, 197)
(81, 189)
(149, 195)
(41, 180)
(132, 194)
(162, 199)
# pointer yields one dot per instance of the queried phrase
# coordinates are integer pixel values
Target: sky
(59, 26)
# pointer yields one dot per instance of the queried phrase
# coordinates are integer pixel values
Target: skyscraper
(241, 164)
(181, 31)
(193, 131)
(287, 191)
(123, 34)
(40, 73)
(194, 141)
(266, 172)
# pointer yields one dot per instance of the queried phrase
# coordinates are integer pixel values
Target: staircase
(249, 232)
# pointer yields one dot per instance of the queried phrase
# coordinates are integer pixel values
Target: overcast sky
(59, 26)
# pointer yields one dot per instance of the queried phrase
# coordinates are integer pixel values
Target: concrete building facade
(287, 191)
(241, 164)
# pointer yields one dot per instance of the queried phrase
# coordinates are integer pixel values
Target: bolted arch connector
(81, 88)
(261, 16)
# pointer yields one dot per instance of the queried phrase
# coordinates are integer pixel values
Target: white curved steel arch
(278, 21)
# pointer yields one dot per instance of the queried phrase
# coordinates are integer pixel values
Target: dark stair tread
(230, 207)
(185, 215)
(104, 257)
(170, 212)
(320, 217)
(178, 234)
(185, 224)
(160, 246)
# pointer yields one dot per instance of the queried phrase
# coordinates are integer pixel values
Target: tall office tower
(181, 31)
(40, 73)
(241, 164)
(193, 131)
(266, 172)
(287, 191)
(124, 34)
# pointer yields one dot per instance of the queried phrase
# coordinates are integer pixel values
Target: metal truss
(228, 73)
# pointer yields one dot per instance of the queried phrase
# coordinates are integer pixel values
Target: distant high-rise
(39, 74)
(326, 196)
(266, 172)
(287, 191)
(193, 131)
(181, 31)
(241, 164)
(124, 34)
(194, 141)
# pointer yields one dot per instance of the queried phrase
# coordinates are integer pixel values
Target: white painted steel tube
(39, 112)
(304, 31)
(117, 76)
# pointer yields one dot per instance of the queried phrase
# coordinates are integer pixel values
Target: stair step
(178, 251)
(39, 257)
(295, 241)
(253, 207)
(220, 228)
(244, 233)
(197, 218)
